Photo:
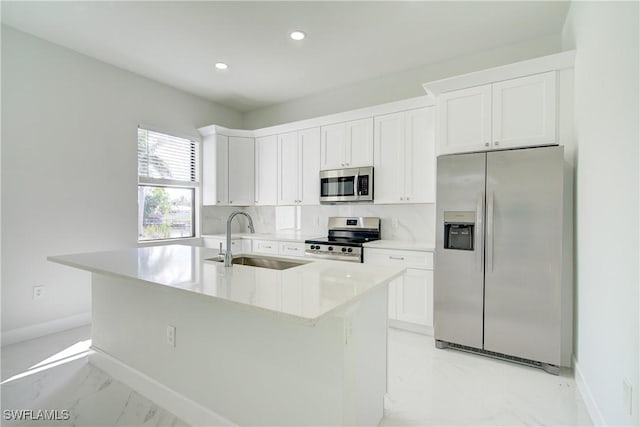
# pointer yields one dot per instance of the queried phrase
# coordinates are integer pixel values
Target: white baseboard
(587, 396)
(41, 329)
(184, 408)
(411, 327)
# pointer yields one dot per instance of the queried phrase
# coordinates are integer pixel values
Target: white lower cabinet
(411, 295)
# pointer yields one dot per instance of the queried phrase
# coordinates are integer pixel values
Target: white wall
(605, 35)
(69, 170)
(395, 87)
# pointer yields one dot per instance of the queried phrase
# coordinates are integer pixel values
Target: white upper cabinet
(404, 157)
(299, 167)
(289, 166)
(524, 111)
(347, 144)
(266, 171)
(512, 113)
(215, 190)
(241, 171)
(465, 120)
(309, 156)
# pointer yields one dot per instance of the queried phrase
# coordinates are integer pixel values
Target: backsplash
(399, 222)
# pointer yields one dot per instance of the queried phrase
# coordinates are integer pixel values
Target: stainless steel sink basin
(263, 262)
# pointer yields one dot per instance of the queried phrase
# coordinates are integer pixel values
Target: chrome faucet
(227, 255)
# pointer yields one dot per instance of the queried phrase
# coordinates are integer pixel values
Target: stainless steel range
(345, 240)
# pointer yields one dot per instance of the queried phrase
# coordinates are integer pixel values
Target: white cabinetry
(404, 157)
(348, 144)
(512, 113)
(411, 295)
(298, 167)
(241, 171)
(227, 170)
(266, 186)
(237, 245)
(215, 190)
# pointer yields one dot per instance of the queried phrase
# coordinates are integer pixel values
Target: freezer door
(458, 273)
(523, 273)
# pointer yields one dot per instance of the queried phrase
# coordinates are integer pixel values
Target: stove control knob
(330, 248)
(344, 249)
(315, 247)
(350, 250)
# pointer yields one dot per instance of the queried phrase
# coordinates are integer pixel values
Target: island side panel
(246, 365)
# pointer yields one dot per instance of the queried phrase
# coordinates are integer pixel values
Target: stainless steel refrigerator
(498, 276)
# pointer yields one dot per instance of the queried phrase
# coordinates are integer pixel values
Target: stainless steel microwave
(346, 185)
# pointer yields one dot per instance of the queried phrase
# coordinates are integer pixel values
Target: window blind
(166, 159)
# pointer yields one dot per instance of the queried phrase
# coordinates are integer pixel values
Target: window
(167, 184)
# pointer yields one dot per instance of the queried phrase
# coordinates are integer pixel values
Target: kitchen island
(242, 345)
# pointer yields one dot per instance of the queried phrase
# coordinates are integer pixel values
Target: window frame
(194, 186)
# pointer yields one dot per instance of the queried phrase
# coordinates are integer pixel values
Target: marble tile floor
(427, 387)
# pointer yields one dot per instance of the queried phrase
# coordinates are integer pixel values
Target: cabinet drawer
(414, 259)
(265, 246)
(291, 248)
(214, 243)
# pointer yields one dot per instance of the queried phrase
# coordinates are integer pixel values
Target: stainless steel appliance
(499, 250)
(345, 240)
(346, 185)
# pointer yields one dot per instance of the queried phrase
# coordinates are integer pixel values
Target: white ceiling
(179, 42)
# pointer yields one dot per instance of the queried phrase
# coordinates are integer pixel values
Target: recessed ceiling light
(297, 35)
(221, 66)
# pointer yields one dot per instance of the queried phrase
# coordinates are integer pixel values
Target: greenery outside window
(167, 184)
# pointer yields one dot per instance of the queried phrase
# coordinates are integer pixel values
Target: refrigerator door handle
(479, 227)
(490, 232)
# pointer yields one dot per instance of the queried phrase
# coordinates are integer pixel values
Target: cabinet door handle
(399, 258)
(496, 143)
(401, 198)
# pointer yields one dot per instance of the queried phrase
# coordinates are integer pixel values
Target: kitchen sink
(263, 262)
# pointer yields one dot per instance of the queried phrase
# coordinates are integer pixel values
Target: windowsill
(192, 241)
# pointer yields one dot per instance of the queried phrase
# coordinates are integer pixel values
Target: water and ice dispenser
(458, 230)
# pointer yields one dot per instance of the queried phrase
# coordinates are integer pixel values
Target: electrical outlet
(627, 395)
(171, 335)
(38, 292)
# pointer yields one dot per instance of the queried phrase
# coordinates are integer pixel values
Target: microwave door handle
(357, 185)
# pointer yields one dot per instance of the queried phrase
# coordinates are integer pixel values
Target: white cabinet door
(332, 148)
(524, 111)
(464, 122)
(309, 152)
(419, 156)
(241, 171)
(266, 172)
(215, 170)
(413, 298)
(359, 143)
(288, 169)
(394, 286)
(347, 144)
(404, 157)
(389, 157)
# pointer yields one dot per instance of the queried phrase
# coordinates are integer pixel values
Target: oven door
(346, 185)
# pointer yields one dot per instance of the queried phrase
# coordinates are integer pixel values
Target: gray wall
(69, 169)
(396, 87)
(605, 35)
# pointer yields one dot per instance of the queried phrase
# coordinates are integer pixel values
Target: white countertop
(283, 237)
(400, 244)
(305, 293)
